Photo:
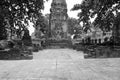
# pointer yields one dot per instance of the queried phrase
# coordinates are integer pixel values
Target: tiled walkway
(60, 64)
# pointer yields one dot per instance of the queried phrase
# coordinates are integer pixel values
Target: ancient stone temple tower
(58, 20)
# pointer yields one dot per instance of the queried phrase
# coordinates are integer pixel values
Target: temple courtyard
(60, 64)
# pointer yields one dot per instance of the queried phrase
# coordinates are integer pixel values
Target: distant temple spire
(58, 19)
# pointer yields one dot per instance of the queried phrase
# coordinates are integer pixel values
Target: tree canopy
(104, 12)
(72, 22)
(19, 13)
(42, 25)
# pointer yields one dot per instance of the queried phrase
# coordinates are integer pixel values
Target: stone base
(58, 43)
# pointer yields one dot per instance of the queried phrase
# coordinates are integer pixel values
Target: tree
(3, 33)
(20, 12)
(41, 27)
(26, 38)
(116, 29)
(72, 22)
(102, 8)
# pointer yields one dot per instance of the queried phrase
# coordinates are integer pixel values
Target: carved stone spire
(58, 18)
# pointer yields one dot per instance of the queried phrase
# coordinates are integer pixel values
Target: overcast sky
(70, 4)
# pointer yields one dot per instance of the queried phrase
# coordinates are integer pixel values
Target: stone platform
(58, 43)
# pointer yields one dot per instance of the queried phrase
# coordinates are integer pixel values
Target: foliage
(3, 33)
(20, 12)
(42, 25)
(26, 38)
(72, 22)
(102, 8)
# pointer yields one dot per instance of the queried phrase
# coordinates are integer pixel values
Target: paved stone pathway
(60, 64)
